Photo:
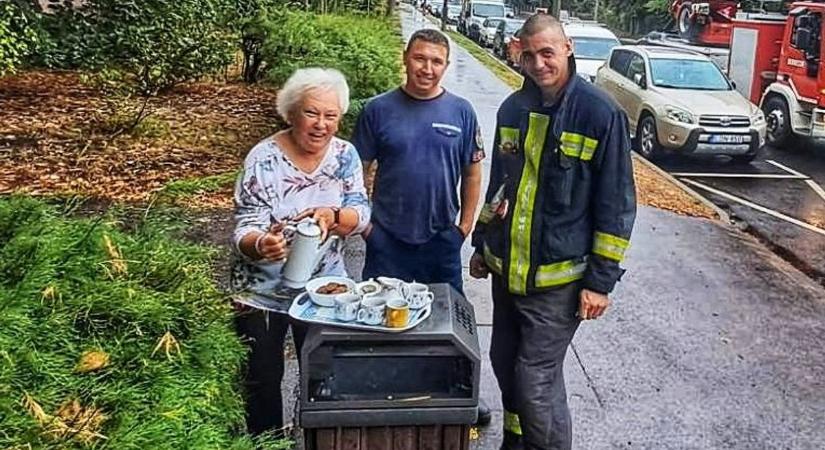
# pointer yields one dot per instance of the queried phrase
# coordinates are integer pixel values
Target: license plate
(729, 139)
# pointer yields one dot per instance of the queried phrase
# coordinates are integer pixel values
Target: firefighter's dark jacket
(566, 174)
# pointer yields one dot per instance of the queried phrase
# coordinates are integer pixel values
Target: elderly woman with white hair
(304, 170)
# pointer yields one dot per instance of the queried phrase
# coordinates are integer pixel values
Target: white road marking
(760, 208)
(739, 175)
(811, 183)
(817, 188)
(787, 169)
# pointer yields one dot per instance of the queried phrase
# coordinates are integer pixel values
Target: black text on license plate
(729, 139)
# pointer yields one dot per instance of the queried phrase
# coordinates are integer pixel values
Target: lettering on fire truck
(796, 63)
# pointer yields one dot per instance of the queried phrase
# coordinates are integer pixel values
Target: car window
(514, 25)
(636, 66)
(488, 10)
(619, 61)
(592, 47)
(493, 22)
(688, 74)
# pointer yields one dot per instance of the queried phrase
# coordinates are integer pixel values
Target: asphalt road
(792, 197)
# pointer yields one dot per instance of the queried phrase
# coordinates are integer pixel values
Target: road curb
(723, 216)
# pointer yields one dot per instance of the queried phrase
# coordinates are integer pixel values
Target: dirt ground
(62, 136)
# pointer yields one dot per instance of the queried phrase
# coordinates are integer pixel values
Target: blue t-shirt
(421, 146)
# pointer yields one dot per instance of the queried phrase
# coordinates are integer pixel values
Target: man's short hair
(538, 23)
(432, 36)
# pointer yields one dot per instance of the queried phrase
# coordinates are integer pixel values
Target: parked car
(488, 31)
(679, 101)
(513, 51)
(592, 44)
(435, 7)
(504, 32)
(473, 14)
(453, 13)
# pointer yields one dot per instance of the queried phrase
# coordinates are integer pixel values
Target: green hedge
(69, 286)
(367, 50)
(17, 37)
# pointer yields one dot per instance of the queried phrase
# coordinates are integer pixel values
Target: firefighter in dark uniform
(559, 211)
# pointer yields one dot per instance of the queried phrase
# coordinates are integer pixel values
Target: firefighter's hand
(591, 304)
(478, 268)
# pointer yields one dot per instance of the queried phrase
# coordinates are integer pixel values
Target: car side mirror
(639, 79)
(732, 84)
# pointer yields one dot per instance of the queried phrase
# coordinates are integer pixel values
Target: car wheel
(648, 138)
(687, 27)
(779, 132)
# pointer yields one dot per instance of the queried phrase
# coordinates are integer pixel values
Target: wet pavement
(793, 197)
(712, 342)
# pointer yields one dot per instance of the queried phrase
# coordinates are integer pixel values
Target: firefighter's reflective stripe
(512, 423)
(609, 246)
(576, 145)
(508, 139)
(520, 228)
(559, 273)
(488, 211)
(493, 262)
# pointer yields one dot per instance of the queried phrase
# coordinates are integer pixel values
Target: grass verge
(489, 61)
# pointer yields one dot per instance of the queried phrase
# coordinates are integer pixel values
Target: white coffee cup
(391, 283)
(347, 306)
(372, 310)
(417, 294)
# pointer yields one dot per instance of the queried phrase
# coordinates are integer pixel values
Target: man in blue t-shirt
(426, 140)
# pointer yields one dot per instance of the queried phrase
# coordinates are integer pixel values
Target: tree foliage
(154, 44)
(366, 50)
(17, 36)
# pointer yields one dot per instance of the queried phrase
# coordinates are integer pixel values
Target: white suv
(679, 100)
(591, 46)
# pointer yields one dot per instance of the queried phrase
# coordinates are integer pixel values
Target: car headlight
(678, 114)
(758, 118)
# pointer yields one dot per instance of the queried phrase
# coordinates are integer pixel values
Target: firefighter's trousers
(530, 339)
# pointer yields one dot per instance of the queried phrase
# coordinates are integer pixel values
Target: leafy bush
(17, 37)
(112, 339)
(156, 43)
(367, 50)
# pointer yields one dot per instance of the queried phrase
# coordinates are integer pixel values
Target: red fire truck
(776, 61)
(704, 22)
(710, 22)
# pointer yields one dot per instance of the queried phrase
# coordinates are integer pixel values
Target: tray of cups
(386, 304)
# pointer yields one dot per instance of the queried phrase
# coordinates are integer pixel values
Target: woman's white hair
(313, 78)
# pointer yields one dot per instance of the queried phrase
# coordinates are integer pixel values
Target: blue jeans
(435, 261)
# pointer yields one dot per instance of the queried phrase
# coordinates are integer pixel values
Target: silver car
(678, 100)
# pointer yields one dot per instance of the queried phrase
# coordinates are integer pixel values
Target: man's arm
(470, 191)
(613, 207)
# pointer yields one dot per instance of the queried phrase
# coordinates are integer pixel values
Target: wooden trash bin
(427, 437)
(393, 391)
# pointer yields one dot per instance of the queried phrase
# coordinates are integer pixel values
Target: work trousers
(265, 333)
(435, 261)
(530, 338)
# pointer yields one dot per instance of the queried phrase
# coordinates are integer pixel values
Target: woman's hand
(272, 244)
(323, 216)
